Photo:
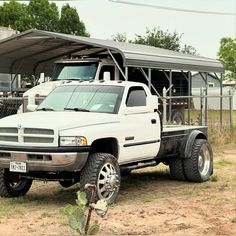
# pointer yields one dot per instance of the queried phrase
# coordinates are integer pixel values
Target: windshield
(75, 71)
(84, 98)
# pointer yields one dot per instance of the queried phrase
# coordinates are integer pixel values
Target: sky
(104, 18)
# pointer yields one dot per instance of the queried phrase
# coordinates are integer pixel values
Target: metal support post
(113, 58)
(170, 95)
(126, 73)
(201, 106)
(221, 100)
(206, 101)
(231, 109)
(164, 106)
(189, 94)
(149, 78)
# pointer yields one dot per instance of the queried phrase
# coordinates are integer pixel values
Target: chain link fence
(9, 106)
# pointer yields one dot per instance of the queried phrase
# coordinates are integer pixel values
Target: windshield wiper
(76, 109)
(45, 109)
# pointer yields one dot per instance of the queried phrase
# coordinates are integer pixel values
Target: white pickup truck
(92, 132)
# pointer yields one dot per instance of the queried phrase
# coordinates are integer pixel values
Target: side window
(110, 69)
(136, 97)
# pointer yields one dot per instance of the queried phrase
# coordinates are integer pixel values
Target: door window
(136, 97)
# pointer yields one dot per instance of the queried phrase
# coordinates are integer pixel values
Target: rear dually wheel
(199, 167)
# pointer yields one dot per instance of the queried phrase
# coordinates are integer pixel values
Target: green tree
(187, 49)
(159, 38)
(119, 37)
(227, 55)
(43, 15)
(70, 22)
(14, 14)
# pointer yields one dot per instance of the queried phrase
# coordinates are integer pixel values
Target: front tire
(11, 185)
(199, 167)
(103, 171)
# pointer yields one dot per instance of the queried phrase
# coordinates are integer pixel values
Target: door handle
(153, 121)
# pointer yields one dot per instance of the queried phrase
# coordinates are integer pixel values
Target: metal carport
(33, 51)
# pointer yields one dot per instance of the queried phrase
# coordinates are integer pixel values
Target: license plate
(17, 166)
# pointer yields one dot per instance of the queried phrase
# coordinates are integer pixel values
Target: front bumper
(45, 159)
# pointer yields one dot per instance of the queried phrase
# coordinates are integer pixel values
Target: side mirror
(153, 102)
(106, 76)
(31, 103)
(31, 107)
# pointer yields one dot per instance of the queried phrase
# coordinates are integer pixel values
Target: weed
(45, 215)
(219, 136)
(233, 220)
(214, 178)
(224, 186)
(222, 162)
(76, 215)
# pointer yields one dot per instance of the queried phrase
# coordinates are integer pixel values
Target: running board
(138, 165)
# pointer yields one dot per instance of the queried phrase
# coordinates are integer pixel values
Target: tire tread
(176, 169)
(191, 164)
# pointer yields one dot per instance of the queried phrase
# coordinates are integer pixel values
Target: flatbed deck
(172, 128)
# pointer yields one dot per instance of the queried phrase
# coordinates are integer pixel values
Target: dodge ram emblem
(19, 126)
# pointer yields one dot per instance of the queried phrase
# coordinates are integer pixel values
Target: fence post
(201, 106)
(231, 109)
(164, 106)
(221, 100)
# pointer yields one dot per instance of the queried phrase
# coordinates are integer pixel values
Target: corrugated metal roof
(35, 50)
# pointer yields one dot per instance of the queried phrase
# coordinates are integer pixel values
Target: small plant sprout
(77, 218)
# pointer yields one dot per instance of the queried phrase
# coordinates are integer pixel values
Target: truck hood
(57, 120)
(45, 88)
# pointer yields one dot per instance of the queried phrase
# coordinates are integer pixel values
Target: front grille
(8, 134)
(9, 138)
(27, 135)
(8, 130)
(38, 131)
(38, 140)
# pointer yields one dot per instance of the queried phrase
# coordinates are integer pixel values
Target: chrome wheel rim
(15, 182)
(108, 182)
(204, 160)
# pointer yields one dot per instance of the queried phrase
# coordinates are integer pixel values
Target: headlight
(73, 141)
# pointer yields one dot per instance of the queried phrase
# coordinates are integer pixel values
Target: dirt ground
(150, 203)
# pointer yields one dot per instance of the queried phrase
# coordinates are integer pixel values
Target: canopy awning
(34, 51)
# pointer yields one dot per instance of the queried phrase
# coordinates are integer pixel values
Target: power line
(174, 9)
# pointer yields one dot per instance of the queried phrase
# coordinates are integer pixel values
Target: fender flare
(196, 134)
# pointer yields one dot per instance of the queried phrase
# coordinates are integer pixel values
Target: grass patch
(224, 186)
(213, 116)
(233, 220)
(223, 162)
(219, 136)
(214, 178)
(14, 206)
